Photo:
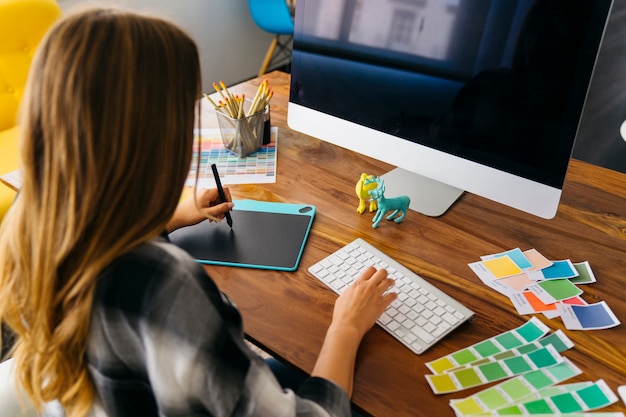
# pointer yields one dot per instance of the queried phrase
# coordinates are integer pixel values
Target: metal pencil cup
(242, 136)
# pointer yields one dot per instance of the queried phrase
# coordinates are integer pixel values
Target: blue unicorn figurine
(397, 204)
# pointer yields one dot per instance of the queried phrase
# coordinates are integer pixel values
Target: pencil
(220, 191)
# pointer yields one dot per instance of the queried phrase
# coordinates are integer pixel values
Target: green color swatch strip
(494, 371)
(587, 398)
(558, 340)
(530, 331)
(515, 389)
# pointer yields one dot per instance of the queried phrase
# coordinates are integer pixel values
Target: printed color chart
(530, 331)
(528, 366)
(474, 376)
(256, 168)
(515, 389)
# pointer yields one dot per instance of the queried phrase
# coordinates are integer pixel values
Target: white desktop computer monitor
(483, 96)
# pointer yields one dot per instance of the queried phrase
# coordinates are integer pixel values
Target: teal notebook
(265, 235)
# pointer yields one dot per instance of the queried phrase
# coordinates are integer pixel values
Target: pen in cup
(220, 191)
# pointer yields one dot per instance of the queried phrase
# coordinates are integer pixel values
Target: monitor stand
(428, 196)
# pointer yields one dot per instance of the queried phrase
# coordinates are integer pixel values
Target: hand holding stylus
(220, 190)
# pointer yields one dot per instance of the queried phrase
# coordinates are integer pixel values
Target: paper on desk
(587, 317)
(530, 331)
(256, 168)
(558, 270)
(579, 398)
(473, 376)
(552, 291)
(526, 302)
(585, 274)
(515, 389)
(508, 264)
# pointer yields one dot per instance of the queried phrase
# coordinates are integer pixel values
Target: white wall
(231, 46)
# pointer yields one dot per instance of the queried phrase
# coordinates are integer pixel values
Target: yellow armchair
(22, 25)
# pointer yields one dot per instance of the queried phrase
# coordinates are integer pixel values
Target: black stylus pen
(220, 191)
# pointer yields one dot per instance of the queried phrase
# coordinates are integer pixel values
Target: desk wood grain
(287, 313)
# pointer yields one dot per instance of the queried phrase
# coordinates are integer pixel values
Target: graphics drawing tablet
(264, 235)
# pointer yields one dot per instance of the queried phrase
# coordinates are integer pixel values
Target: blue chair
(273, 16)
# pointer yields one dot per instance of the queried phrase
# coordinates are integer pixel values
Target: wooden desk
(287, 313)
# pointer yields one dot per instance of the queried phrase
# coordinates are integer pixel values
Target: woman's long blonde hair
(107, 133)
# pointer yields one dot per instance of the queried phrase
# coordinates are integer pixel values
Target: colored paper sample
(256, 168)
(530, 331)
(474, 376)
(510, 285)
(558, 340)
(587, 398)
(552, 291)
(537, 259)
(515, 389)
(587, 317)
(526, 302)
(585, 274)
(516, 255)
(495, 268)
(558, 270)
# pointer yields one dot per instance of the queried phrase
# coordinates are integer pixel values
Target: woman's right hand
(360, 305)
(355, 312)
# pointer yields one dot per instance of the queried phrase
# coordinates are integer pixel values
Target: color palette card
(257, 168)
(528, 332)
(577, 301)
(585, 274)
(558, 270)
(587, 317)
(496, 268)
(516, 255)
(610, 414)
(515, 389)
(551, 291)
(508, 264)
(474, 376)
(592, 397)
(558, 340)
(511, 285)
(526, 302)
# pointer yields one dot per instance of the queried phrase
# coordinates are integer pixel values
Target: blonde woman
(107, 313)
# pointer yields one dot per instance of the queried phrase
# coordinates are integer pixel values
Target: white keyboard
(420, 316)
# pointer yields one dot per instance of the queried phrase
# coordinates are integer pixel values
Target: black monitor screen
(499, 82)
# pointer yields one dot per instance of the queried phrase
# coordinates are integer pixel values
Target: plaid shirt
(166, 342)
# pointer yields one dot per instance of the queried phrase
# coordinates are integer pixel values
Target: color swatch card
(583, 398)
(511, 285)
(515, 389)
(558, 270)
(530, 331)
(526, 302)
(496, 268)
(474, 376)
(552, 291)
(576, 301)
(585, 274)
(257, 168)
(516, 255)
(558, 340)
(509, 264)
(587, 317)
